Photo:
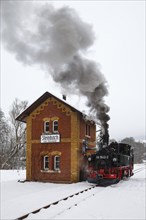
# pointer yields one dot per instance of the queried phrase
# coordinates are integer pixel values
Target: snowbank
(125, 200)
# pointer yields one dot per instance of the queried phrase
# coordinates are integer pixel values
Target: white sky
(119, 48)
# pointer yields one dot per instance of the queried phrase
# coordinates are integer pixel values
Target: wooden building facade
(55, 133)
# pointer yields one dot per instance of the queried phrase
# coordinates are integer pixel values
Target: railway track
(57, 202)
(66, 199)
(140, 169)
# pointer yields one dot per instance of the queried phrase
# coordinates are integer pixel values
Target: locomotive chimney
(106, 138)
(64, 97)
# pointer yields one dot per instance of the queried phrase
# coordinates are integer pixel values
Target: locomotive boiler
(110, 163)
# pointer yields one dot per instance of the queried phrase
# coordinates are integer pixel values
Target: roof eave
(23, 116)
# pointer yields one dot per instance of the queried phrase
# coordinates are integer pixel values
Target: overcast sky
(119, 50)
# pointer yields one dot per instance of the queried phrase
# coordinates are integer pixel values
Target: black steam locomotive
(110, 163)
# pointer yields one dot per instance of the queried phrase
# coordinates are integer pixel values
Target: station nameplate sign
(50, 138)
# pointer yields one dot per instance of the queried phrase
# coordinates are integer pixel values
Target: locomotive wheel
(117, 180)
(127, 175)
(107, 182)
(122, 174)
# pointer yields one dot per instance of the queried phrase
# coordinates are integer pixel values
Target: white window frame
(46, 126)
(54, 126)
(87, 130)
(55, 162)
(44, 162)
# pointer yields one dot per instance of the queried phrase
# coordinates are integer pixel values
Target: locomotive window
(57, 163)
(87, 132)
(46, 162)
(46, 126)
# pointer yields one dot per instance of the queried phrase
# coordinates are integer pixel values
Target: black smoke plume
(57, 40)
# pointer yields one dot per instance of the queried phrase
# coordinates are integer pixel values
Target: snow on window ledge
(50, 171)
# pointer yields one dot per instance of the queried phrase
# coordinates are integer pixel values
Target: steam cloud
(56, 39)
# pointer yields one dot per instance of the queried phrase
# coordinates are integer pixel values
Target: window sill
(55, 132)
(87, 136)
(46, 133)
(50, 171)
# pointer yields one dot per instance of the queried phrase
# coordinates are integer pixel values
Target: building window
(57, 163)
(55, 126)
(46, 126)
(87, 132)
(46, 163)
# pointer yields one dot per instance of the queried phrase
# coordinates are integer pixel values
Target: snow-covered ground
(125, 200)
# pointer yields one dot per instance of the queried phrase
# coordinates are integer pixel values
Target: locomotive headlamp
(114, 159)
(89, 158)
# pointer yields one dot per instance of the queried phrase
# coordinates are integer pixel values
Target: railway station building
(56, 135)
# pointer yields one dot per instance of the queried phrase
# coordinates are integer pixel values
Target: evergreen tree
(139, 149)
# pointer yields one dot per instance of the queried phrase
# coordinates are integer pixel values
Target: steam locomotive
(110, 163)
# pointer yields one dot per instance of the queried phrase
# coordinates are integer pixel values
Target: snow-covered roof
(22, 117)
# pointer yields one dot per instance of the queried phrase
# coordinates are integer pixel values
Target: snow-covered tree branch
(12, 138)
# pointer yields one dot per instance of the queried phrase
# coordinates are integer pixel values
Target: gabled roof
(22, 117)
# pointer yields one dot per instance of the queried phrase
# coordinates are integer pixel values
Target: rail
(140, 169)
(55, 203)
(70, 196)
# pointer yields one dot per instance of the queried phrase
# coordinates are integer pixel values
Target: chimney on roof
(64, 97)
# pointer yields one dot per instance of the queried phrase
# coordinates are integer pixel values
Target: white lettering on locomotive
(102, 157)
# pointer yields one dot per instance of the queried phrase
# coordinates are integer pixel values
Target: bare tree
(17, 140)
(4, 138)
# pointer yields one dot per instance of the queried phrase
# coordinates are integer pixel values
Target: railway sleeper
(54, 203)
